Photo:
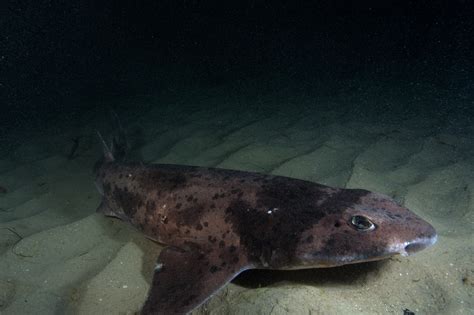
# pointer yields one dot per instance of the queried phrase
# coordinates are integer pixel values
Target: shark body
(216, 223)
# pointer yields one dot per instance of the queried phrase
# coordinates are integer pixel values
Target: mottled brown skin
(217, 223)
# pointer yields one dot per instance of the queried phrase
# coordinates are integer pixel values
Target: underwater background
(370, 94)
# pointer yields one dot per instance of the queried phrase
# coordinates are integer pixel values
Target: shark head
(372, 228)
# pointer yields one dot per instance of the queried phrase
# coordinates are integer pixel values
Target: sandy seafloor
(58, 257)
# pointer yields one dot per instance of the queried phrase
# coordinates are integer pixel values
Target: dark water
(59, 60)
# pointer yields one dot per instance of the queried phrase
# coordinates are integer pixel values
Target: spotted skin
(217, 223)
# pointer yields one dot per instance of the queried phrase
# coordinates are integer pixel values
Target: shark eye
(362, 223)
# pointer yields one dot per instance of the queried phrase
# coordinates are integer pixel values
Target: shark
(216, 223)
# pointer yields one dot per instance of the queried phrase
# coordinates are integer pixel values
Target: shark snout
(425, 237)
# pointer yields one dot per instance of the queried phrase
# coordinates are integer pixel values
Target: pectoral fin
(185, 278)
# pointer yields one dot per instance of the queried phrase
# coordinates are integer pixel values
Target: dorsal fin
(108, 155)
(119, 146)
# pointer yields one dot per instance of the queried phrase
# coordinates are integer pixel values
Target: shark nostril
(420, 244)
(415, 247)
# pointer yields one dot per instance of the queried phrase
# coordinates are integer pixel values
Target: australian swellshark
(216, 223)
